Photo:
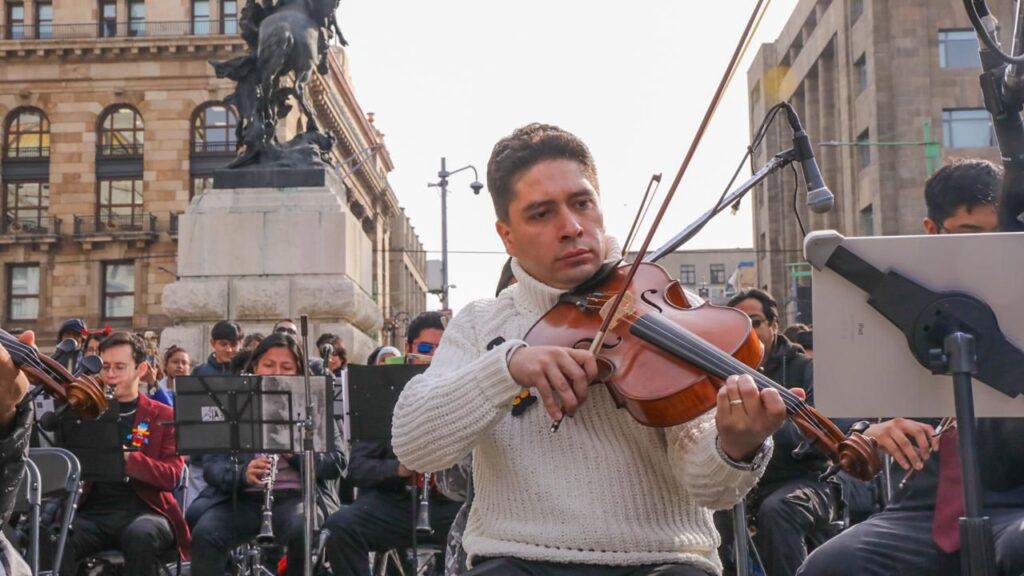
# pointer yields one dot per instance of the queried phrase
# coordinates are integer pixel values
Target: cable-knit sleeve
(442, 413)
(700, 468)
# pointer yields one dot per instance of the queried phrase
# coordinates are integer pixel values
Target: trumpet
(266, 535)
(423, 508)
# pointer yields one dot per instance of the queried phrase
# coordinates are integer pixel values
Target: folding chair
(61, 476)
(29, 499)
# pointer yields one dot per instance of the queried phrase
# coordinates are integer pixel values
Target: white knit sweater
(602, 490)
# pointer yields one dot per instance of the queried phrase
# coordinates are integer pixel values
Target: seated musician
(15, 426)
(381, 517)
(603, 495)
(917, 533)
(229, 511)
(790, 503)
(140, 516)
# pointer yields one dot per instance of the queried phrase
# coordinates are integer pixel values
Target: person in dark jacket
(381, 517)
(227, 512)
(226, 340)
(790, 503)
(908, 538)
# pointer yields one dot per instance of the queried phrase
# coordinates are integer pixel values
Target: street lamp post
(476, 186)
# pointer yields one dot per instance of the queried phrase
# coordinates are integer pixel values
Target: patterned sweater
(602, 490)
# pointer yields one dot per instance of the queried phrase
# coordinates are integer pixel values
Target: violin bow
(741, 47)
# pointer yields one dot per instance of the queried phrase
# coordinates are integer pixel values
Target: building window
(44, 20)
(958, 49)
(229, 16)
(717, 274)
(688, 274)
(213, 129)
(118, 290)
(16, 21)
(864, 150)
(121, 133)
(108, 18)
(861, 69)
(120, 203)
(200, 17)
(27, 135)
(856, 10)
(23, 292)
(867, 221)
(137, 18)
(967, 128)
(26, 206)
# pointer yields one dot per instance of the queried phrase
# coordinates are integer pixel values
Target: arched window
(213, 129)
(27, 134)
(121, 132)
(213, 143)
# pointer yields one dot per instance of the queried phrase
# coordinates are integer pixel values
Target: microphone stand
(308, 460)
(778, 162)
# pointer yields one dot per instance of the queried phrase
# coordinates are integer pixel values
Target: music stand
(949, 329)
(373, 392)
(96, 443)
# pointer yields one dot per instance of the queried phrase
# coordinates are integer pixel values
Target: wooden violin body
(664, 361)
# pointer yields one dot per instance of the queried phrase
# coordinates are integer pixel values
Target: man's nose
(570, 225)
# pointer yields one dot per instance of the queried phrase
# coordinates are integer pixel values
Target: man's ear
(141, 369)
(930, 227)
(505, 233)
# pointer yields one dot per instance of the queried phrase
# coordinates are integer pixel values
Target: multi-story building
(715, 275)
(112, 121)
(408, 264)
(887, 91)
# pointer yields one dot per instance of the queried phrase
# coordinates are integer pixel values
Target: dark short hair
(170, 352)
(278, 340)
(768, 305)
(793, 329)
(336, 343)
(282, 321)
(250, 338)
(424, 321)
(226, 330)
(126, 339)
(964, 183)
(525, 148)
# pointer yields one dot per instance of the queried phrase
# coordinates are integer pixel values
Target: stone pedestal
(257, 255)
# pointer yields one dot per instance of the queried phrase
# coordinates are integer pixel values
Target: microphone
(819, 197)
(325, 353)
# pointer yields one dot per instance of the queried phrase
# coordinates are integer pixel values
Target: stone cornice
(120, 47)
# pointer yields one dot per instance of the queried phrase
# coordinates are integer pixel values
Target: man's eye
(539, 215)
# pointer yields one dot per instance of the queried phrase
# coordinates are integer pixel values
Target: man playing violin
(604, 495)
(15, 427)
(915, 535)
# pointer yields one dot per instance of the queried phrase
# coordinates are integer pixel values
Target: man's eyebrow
(538, 204)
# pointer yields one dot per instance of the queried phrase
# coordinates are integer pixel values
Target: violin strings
(29, 354)
(715, 359)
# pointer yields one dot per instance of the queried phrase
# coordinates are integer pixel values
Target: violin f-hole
(643, 296)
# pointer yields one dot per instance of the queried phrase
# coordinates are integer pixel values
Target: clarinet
(266, 535)
(423, 509)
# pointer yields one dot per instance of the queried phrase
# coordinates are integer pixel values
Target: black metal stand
(739, 538)
(977, 548)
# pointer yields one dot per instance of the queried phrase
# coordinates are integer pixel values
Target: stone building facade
(113, 121)
(887, 91)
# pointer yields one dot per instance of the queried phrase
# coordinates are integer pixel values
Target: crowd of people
(602, 495)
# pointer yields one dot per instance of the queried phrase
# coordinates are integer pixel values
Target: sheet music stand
(96, 443)
(948, 330)
(373, 392)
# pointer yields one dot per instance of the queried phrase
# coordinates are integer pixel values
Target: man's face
(423, 347)
(92, 347)
(121, 372)
(287, 328)
(225, 350)
(980, 219)
(765, 330)
(555, 226)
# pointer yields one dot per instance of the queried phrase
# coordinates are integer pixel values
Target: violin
(81, 393)
(663, 360)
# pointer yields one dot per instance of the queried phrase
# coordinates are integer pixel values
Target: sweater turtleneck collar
(533, 296)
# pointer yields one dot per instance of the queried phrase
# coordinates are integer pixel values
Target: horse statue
(286, 39)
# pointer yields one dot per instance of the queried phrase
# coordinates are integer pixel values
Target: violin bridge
(626, 308)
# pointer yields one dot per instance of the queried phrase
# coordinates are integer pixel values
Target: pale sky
(632, 79)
